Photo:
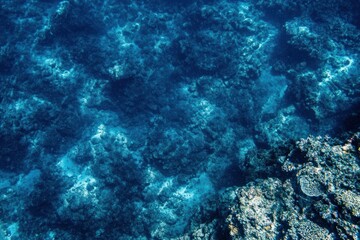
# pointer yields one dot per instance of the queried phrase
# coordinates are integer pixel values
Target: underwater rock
(316, 197)
(151, 119)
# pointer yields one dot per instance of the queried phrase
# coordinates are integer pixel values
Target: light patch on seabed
(26, 183)
(81, 186)
(195, 190)
(83, 177)
(176, 210)
(11, 232)
(68, 167)
(183, 193)
(168, 183)
(244, 147)
(276, 87)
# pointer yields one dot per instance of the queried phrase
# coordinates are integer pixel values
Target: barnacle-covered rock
(256, 211)
(350, 200)
(315, 197)
(266, 209)
(328, 174)
(312, 231)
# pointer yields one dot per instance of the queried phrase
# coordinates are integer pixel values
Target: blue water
(119, 119)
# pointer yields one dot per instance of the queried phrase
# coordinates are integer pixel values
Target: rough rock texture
(316, 197)
(128, 119)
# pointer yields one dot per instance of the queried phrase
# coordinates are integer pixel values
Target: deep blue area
(120, 119)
